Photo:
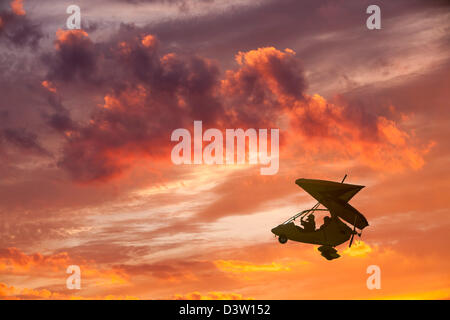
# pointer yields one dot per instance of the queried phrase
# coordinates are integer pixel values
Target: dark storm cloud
(75, 57)
(23, 139)
(142, 107)
(61, 122)
(149, 93)
(18, 30)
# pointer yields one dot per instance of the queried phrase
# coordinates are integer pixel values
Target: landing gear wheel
(282, 239)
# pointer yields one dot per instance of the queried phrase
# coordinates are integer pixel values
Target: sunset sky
(86, 176)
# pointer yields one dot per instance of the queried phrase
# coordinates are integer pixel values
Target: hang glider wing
(335, 197)
(346, 212)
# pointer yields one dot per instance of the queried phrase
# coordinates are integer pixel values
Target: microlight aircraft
(334, 196)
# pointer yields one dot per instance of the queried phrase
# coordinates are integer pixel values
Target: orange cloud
(266, 90)
(11, 292)
(268, 63)
(358, 249)
(134, 98)
(12, 260)
(210, 296)
(124, 48)
(244, 266)
(15, 262)
(17, 7)
(442, 294)
(337, 131)
(69, 36)
(149, 41)
(107, 297)
(49, 86)
(403, 276)
(14, 293)
(267, 82)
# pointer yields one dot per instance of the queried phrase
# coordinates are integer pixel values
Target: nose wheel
(282, 239)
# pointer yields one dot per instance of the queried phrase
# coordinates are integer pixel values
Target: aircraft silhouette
(334, 196)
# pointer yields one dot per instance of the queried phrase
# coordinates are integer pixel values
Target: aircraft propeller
(353, 233)
(351, 240)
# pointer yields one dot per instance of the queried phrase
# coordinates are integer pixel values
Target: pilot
(326, 221)
(310, 224)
